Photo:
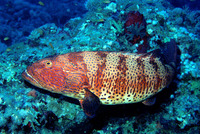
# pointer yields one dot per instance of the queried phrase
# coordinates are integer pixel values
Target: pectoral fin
(90, 103)
(149, 101)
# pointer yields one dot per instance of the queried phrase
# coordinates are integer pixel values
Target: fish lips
(28, 77)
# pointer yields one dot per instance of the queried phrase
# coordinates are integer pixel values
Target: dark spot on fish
(102, 54)
(153, 63)
(122, 65)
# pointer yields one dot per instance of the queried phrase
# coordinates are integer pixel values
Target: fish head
(46, 74)
(59, 75)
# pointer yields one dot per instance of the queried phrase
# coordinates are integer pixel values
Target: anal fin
(90, 103)
(149, 101)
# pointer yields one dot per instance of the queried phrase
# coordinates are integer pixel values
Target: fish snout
(28, 77)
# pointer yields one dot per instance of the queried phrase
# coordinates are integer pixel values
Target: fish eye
(48, 64)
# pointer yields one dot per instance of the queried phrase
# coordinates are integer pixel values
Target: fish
(105, 78)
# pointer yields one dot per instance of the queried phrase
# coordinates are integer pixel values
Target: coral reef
(31, 31)
(135, 30)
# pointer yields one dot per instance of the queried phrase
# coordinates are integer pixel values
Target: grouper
(108, 78)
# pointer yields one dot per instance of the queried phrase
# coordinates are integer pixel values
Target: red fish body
(102, 77)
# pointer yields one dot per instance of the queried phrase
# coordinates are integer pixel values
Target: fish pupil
(48, 64)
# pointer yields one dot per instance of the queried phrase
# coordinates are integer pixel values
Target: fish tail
(170, 53)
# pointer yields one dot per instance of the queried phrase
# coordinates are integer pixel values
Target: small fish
(6, 38)
(108, 78)
(106, 1)
(41, 3)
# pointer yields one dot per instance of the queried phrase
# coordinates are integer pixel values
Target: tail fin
(170, 52)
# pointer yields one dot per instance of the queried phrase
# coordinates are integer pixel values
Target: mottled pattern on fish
(114, 77)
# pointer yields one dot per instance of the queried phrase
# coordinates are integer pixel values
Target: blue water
(31, 30)
(192, 4)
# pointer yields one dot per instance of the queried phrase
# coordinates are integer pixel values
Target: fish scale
(114, 89)
(103, 77)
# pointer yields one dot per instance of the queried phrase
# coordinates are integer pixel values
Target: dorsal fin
(154, 53)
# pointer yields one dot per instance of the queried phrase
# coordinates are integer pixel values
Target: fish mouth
(26, 76)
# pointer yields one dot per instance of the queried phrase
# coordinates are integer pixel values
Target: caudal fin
(170, 52)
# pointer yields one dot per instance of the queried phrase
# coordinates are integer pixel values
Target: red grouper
(108, 78)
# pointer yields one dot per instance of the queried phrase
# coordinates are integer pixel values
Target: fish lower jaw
(30, 79)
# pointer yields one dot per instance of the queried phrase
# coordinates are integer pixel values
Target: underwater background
(31, 30)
